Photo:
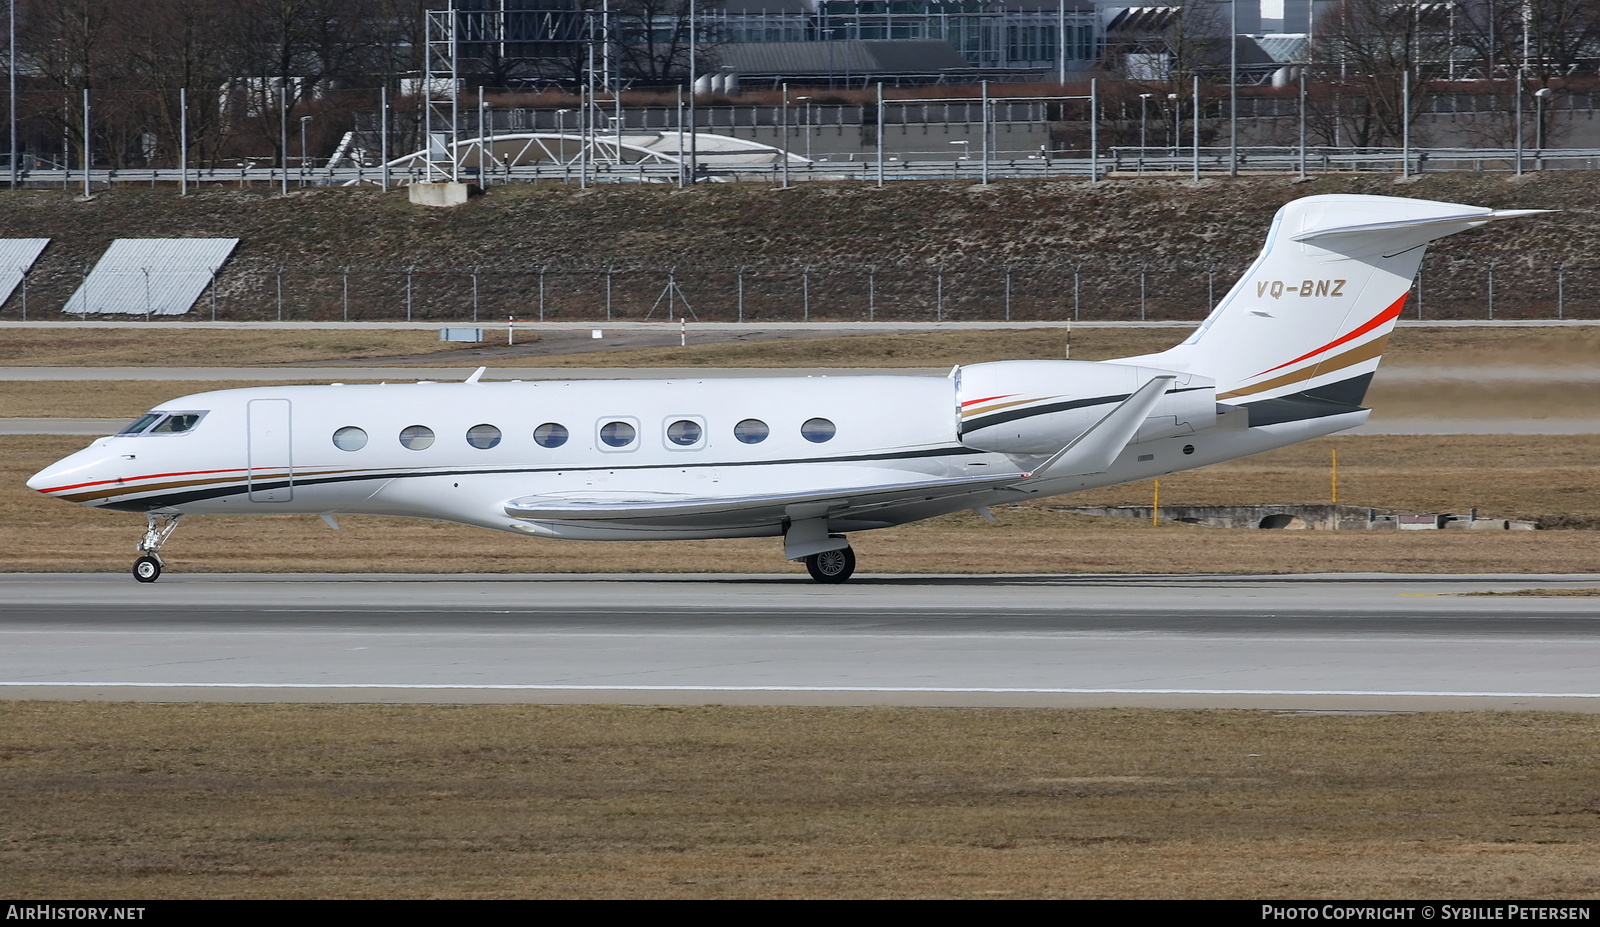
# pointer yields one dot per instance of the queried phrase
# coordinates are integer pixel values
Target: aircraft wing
(669, 508)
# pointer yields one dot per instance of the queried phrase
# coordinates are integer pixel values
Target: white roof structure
(150, 276)
(663, 149)
(16, 259)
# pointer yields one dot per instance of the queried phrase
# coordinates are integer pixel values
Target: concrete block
(439, 194)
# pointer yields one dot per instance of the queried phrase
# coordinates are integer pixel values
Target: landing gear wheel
(147, 569)
(832, 566)
(157, 528)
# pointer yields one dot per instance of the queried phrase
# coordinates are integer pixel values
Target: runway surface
(1317, 642)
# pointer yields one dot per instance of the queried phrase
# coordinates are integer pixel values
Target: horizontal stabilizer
(1095, 449)
(1399, 234)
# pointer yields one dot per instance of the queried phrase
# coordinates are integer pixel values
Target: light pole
(11, 56)
(694, 125)
(807, 110)
(1539, 96)
(1302, 122)
(1177, 121)
(1233, 88)
(485, 127)
(283, 134)
(1144, 98)
(303, 121)
(1520, 76)
(1061, 41)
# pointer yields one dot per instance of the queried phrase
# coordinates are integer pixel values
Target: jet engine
(1038, 407)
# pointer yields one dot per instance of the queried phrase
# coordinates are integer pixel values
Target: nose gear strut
(158, 528)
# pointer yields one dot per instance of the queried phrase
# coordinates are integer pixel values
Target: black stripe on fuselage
(1012, 415)
(1320, 402)
(166, 500)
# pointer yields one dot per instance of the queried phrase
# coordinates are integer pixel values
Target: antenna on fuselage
(476, 374)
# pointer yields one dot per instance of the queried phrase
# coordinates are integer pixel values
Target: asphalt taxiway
(1314, 642)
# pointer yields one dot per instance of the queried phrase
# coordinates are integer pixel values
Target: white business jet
(1286, 356)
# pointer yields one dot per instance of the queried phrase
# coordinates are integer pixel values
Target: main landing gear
(832, 566)
(158, 528)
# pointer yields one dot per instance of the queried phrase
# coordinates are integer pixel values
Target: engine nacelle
(1038, 407)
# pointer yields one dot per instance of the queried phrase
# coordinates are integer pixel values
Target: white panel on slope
(151, 276)
(16, 259)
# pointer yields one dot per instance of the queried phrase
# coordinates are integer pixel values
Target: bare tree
(68, 48)
(1362, 55)
(181, 45)
(651, 37)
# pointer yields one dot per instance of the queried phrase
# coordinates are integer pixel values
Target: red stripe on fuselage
(152, 476)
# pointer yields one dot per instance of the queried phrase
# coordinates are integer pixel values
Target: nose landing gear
(158, 528)
(147, 569)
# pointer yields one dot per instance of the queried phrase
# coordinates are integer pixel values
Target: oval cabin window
(483, 437)
(751, 431)
(417, 437)
(550, 435)
(684, 433)
(617, 434)
(818, 430)
(350, 438)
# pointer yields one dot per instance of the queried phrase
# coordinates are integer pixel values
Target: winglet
(476, 374)
(1095, 449)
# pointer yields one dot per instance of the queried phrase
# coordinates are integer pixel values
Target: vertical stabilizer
(1301, 333)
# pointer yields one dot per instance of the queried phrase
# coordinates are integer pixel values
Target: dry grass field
(1464, 347)
(367, 801)
(137, 346)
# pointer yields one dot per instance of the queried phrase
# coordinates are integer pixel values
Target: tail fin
(1301, 333)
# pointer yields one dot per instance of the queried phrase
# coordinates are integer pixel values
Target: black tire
(832, 566)
(147, 569)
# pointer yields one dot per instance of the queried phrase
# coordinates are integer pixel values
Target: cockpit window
(138, 425)
(163, 423)
(177, 423)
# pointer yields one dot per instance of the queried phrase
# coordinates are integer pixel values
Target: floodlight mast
(439, 35)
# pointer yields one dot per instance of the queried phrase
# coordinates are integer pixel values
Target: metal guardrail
(1118, 160)
(1323, 159)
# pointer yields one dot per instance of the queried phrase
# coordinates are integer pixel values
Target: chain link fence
(957, 290)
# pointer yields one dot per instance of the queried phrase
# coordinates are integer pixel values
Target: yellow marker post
(1155, 505)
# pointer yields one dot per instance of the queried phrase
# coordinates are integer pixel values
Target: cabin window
(818, 430)
(618, 434)
(350, 438)
(417, 437)
(550, 435)
(483, 437)
(684, 433)
(751, 431)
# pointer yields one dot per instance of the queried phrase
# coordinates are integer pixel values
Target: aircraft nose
(47, 478)
(86, 466)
